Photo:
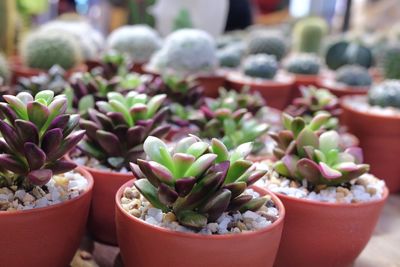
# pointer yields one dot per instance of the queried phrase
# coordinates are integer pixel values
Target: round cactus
(353, 75)
(385, 94)
(260, 66)
(138, 42)
(308, 34)
(391, 62)
(190, 51)
(44, 49)
(229, 57)
(307, 64)
(4, 70)
(266, 43)
(345, 52)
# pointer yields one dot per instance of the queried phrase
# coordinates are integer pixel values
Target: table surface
(382, 250)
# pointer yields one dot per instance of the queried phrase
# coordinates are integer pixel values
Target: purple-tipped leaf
(217, 204)
(62, 166)
(37, 113)
(166, 195)
(183, 186)
(236, 188)
(52, 140)
(109, 142)
(161, 172)
(9, 163)
(309, 170)
(357, 153)
(11, 137)
(40, 177)
(34, 155)
(238, 202)
(27, 131)
(328, 172)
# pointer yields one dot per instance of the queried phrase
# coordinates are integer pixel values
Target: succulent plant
(314, 101)
(196, 181)
(111, 65)
(52, 80)
(229, 57)
(385, 94)
(268, 43)
(44, 49)
(137, 42)
(260, 66)
(4, 69)
(183, 20)
(353, 75)
(391, 61)
(115, 133)
(37, 133)
(306, 64)
(305, 152)
(308, 34)
(189, 51)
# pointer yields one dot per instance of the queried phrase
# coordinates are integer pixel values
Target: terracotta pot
(137, 67)
(19, 70)
(302, 80)
(379, 139)
(340, 90)
(45, 237)
(145, 245)
(320, 234)
(101, 221)
(277, 92)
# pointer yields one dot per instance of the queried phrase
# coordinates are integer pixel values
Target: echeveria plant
(115, 134)
(37, 133)
(195, 180)
(306, 152)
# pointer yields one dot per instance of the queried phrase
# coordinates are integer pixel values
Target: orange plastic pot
(379, 139)
(45, 237)
(277, 93)
(320, 234)
(340, 90)
(101, 221)
(145, 245)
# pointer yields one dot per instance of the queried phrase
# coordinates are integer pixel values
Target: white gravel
(363, 189)
(228, 223)
(60, 188)
(360, 103)
(95, 164)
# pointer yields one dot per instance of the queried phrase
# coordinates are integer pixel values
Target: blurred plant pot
(339, 89)
(276, 92)
(101, 222)
(326, 234)
(19, 70)
(379, 139)
(139, 241)
(45, 237)
(138, 68)
(376, 74)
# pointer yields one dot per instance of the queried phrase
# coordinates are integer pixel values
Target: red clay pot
(320, 234)
(340, 90)
(379, 139)
(19, 70)
(45, 237)
(145, 245)
(101, 221)
(277, 92)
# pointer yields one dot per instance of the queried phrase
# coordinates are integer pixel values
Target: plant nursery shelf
(381, 251)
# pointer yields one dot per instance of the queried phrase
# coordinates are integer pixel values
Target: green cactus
(4, 70)
(308, 34)
(8, 17)
(260, 66)
(385, 94)
(267, 43)
(353, 75)
(307, 64)
(229, 57)
(391, 62)
(183, 20)
(44, 49)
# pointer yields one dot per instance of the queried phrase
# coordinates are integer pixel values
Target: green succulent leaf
(150, 193)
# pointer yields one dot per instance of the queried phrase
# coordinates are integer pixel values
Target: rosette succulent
(197, 181)
(116, 132)
(37, 133)
(314, 101)
(306, 152)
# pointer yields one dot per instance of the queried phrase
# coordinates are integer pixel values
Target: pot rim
(332, 84)
(69, 202)
(280, 80)
(98, 171)
(269, 228)
(337, 205)
(349, 108)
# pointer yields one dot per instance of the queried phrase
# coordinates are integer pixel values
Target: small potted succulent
(138, 43)
(330, 198)
(189, 52)
(374, 119)
(259, 73)
(41, 50)
(44, 201)
(349, 80)
(114, 137)
(194, 199)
